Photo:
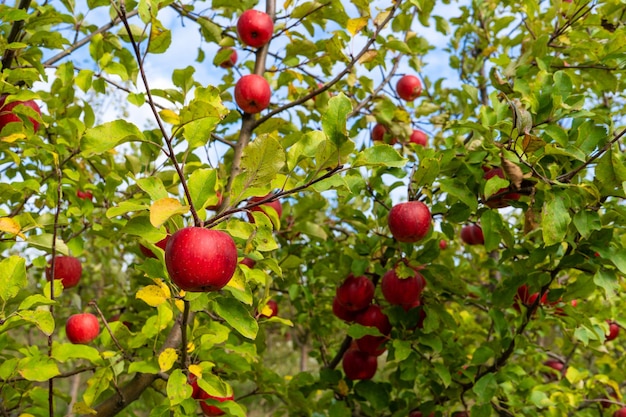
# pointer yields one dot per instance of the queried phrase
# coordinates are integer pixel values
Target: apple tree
(312, 208)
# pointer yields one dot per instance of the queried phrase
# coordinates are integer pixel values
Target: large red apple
(355, 293)
(160, 244)
(409, 221)
(230, 57)
(82, 328)
(66, 268)
(402, 291)
(620, 413)
(211, 410)
(613, 331)
(255, 28)
(359, 365)
(409, 87)
(252, 93)
(343, 313)
(8, 115)
(503, 197)
(276, 205)
(472, 234)
(418, 137)
(373, 316)
(200, 259)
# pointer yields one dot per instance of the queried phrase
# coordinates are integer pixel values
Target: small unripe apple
(273, 306)
(418, 137)
(66, 268)
(355, 293)
(211, 410)
(200, 259)
(84, 195)
(409, 221)
(82, 328)
(160, 244)
(8, 115)
(472, 234)
(359, 365)
(402, 291)
(230, 57)
(613, 331)
(255, 28)
(252, 93)
(409, 87)
(443, 244)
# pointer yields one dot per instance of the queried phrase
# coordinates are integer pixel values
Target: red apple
(200, 259)
(359, 365)
(460, 414)
(8, 115)
(620, 413)
(160, 244)
(276, 205)
(402, 291)
(472, 234)
(443, 244)
(255, 28)
(249, 262)
(409, 221)
(417, 413)
(84, 195)
(503, 197)
(252, 93)
(66, 268)
(373, 316)
(273, 305)
(230, 57)
(556, 364)
(418, 137)
(409, 87)
(355, 293)
(613, 331)
(343, 313)
(211, 410)
(220, 198)
(378, 134)
(82, 328)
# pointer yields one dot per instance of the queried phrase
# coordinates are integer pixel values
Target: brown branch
(16, 31)
(345, 345)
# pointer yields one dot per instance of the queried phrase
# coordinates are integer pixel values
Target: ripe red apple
(409, 87)
(8, 115)
(503, 197)
(443, 244)
(252, 93)
(472, 234)
(160, 244)
(273, 305)
(409, 221)
(211, 410)
(231, 57)
(620, 413)
(200, 259)
(276, 205)
(84, 195)
(418, 137)
(355, 293)
(373, 316)
(343, 313)
(255, 28)
(418, 413)
(82, 328)
(66, 268)
(402, 291)
(557, 365)
(613, 330)
(249, 262)
(359, 365)
(378, 134)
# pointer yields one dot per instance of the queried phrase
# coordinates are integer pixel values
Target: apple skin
(409, 87)
(557, 365)
(273, 305)
(84, 195)
(373, 316)
(613, 331)
(359, 365)
(66, 268)
(249, 262)
(8, 116)
(620, 413)
(82, 328)
(255, 28)
(502, 198)
(231, 60)
(211, 410)
(343, 313)
(276, 205)
(200, 260)
(443, 244)
(252, 93)
(355, 293)
(148, 253)
(472, 234)
(418, 413)
(404, 292)
(378, 134)
(419, 138)
(409, 222)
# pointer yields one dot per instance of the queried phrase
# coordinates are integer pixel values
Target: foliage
(539, 92)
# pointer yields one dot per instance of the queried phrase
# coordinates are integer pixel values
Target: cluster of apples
(409, 87)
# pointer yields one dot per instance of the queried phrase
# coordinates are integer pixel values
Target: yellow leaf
(9, 225)
(355, 25)
(267, 311)
(368, 56)
(153, 295)
(381, 18)
(167, 358)
(164, 287)
(164, 208)
(13, 137)
(81, 408)
(169, 116)
(196, 370)
(191, 347)
(180, 305)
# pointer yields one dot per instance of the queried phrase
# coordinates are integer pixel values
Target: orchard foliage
(534, 88)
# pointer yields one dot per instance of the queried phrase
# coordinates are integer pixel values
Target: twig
(93, 304)
(342, 350)
(16, 31)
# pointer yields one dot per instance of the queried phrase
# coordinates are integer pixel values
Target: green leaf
(482, 355)
(334, 119)
(443, 373)
(44, 241)
(586, 222)
(607, 280)
(237, 316)
(12, 277)
(107, 136)
(178, 389)
(160, 38)
(41, 318)
(154, 187)
(97, 384)
(458, 189)
(377, 393)
(32, 300)
(202, 187)
(39, 368)
(555, 219)
(485, 388)
(63, 352)
(380, 155)
(357, 331)
(491, 224)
